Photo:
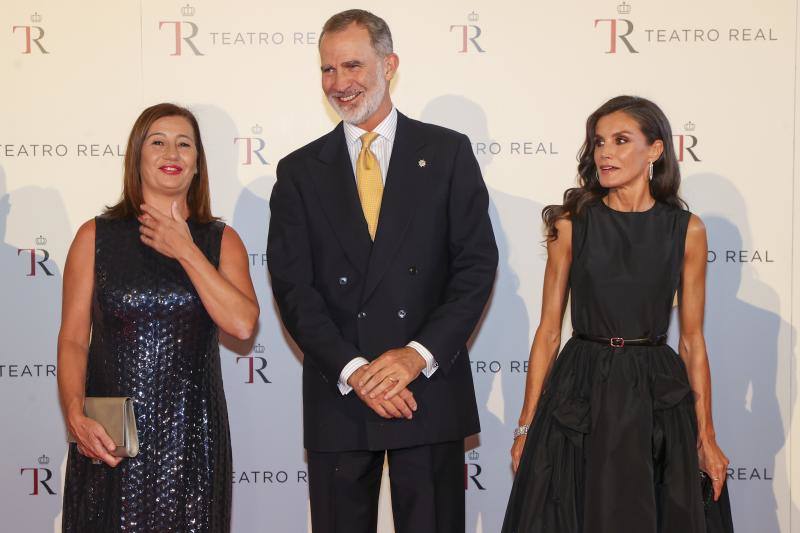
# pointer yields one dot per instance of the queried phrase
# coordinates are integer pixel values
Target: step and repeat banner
(519, 78)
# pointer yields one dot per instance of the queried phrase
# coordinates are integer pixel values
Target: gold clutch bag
(116, 416)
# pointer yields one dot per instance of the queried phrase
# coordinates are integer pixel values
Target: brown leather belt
(619, 342)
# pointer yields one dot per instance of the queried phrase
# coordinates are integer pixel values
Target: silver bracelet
(521, 430)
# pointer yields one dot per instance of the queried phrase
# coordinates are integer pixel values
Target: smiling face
(355, 78)
(169, 157)
(622, 153)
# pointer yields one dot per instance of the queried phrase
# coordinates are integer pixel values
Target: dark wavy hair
(666, 172)
(198, 197)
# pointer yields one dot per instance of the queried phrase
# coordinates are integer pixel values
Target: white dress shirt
(382, 148)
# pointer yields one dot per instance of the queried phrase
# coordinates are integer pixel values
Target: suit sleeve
(302, 307)
(473, 263)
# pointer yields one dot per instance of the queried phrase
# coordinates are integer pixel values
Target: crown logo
(187, 11)
(473, 17)
(36, 18)
(44, 460)
(259, 348)
(41, 241)
(624, 8)
(257, 129)
(689, 126)
(473, 455)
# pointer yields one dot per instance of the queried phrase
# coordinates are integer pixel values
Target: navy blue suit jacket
(426, 277)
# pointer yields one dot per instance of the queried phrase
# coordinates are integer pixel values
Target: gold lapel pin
(422, 163)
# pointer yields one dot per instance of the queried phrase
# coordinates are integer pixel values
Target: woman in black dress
(614, 431)
(146, 285)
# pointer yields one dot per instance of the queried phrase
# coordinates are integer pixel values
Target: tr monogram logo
(40, 477)
(34, 257)
(619, 29)
(33, 35)
(686, 143)
(252, 361)
(253, 146)
(469, 34)
(185, 31)
(472, 471)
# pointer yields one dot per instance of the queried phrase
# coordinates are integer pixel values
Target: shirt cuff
(430, 362)
(347, 371)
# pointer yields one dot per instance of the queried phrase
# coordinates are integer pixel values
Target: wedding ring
(392, 378)
(97, 462)
(715, 478)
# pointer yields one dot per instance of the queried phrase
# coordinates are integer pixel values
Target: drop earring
(650, 171)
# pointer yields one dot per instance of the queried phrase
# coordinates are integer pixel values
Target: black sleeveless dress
(153, 340)
(612, 447)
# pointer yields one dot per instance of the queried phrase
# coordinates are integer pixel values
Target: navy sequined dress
(153, 340)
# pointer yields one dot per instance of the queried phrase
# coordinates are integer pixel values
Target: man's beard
(366, 108)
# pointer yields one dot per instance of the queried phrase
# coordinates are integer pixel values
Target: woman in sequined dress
(147, 285)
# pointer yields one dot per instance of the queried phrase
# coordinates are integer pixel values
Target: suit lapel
(336, 185)
(404, 183)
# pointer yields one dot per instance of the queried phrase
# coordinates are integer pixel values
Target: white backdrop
(519, 78)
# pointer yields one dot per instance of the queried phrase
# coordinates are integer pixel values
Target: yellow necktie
(370, 184)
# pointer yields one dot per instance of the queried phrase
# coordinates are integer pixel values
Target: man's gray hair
(379, 33)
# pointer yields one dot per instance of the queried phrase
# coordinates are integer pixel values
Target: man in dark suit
(382, 258)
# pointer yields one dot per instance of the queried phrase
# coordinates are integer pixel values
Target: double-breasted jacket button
(362, 314)
(401, 313)
(412, 270)
(343, 280)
